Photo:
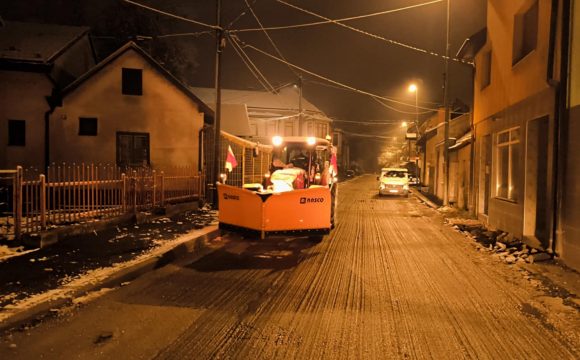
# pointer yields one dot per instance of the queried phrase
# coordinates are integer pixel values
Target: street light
(414, 89)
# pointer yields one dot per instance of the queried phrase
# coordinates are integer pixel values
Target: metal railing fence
(31, 202)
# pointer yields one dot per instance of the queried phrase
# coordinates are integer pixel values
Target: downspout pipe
(54, 100)
(560, 113)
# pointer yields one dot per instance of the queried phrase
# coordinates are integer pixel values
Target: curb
(423, 198)
(53, 236)
(192, 246)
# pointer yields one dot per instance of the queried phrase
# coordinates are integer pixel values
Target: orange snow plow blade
(306, 210)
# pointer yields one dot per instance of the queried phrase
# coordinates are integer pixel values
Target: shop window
(507, 164)
(16, 133)
(132, 80)
(88, 126)
(525, 32)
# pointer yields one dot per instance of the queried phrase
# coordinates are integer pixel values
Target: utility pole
(446, 104)
(218, 100)
(300, 106)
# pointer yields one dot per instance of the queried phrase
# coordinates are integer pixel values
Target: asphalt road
(391, 281)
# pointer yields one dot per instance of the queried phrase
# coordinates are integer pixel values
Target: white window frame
(498, 146)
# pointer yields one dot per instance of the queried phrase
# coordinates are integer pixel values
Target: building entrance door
(536, 204)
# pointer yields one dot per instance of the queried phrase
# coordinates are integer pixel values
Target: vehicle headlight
(382, 186)
(406, 186)
(277, 140)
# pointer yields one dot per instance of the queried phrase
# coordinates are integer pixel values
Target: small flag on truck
(333, 164)
(231, 162)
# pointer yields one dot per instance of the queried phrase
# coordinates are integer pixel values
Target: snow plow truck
(298, 195)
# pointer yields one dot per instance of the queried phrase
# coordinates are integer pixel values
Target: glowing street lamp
(414, 89)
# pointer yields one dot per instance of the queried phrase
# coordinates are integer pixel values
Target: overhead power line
(268, 36)
(392, 42)
(214, 27)
(240, 15)
(389, 122)
(401, 111)
(250, 65)
(391, 138)
(334, 81)
(316, 23)
(192, 34)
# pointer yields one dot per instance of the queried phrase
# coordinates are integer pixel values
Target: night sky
(340, 54)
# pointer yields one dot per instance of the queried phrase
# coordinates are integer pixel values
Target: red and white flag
(333, 163)
(231, 162)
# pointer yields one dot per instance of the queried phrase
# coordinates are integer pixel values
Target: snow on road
(391, 281)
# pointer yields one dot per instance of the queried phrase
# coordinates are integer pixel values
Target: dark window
(486, 70)
(88, 126)
(132, 149)
(132, 81)
(16, 132)
(525, 32)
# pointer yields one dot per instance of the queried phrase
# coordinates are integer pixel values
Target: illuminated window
(253, 129)
(132, 80)
(525, 32)
(321, 130)
(288, 128)
(507, 164)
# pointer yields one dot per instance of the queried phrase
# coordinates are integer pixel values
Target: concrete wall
(505, 214)
(171, 118)
(22, 97)
(568, 241)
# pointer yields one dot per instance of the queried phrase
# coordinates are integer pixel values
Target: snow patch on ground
(70, 286)
(7, 252)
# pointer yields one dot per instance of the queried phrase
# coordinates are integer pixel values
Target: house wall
(568, 241)
(510, 84)
(171, 118)
(505, 214)
(518, 95)
(22, 97)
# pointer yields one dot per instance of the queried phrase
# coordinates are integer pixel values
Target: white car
(394, 181)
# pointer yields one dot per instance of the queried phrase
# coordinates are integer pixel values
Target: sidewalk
(550, 275)
(36, 281)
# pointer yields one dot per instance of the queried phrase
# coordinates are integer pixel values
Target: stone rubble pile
(501, 244)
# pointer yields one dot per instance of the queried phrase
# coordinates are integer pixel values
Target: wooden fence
(73, 193)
